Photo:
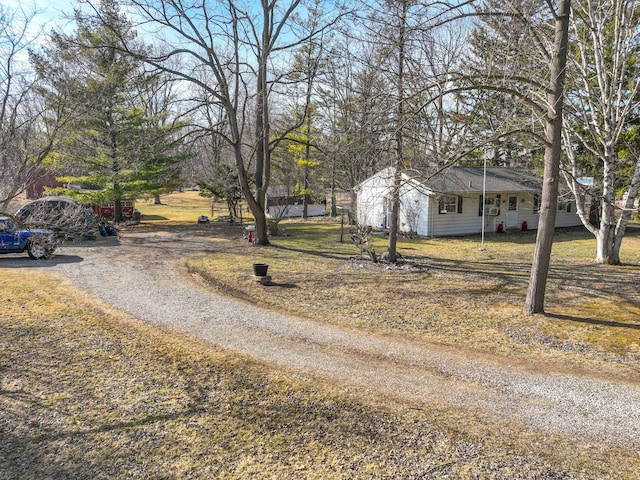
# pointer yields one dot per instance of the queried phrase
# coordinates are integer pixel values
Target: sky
(48, 10)
(49, 13)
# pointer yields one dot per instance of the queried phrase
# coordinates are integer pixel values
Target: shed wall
(372, 196)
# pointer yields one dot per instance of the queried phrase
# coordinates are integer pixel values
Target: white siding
(453, 223)
(419, 211)
(413, 211)
(524, 212)
(568, 219)
(470, 222)
(372, 195)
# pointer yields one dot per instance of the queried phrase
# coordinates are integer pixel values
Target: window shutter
(459, 203)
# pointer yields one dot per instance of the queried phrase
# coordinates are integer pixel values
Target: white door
(512, 212)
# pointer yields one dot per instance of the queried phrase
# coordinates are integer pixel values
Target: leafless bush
(69, 219)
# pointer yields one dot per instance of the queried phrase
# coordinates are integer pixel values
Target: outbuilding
(281, 203)
(458, 200)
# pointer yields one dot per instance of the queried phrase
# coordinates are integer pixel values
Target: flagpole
(484, 192)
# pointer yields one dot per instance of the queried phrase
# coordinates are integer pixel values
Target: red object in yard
(500, 228)
(525, 227)
(107, 210)
(249, 230)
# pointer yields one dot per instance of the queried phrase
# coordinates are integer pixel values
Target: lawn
(89, 393)
(445, 290)
(183, 208)
(449, 291)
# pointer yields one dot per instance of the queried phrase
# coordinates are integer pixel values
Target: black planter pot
(260, 269)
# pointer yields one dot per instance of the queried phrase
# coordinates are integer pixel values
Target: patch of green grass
(88, 393)
(184, 207)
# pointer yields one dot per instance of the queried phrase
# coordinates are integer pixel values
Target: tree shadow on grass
(506, 271)
(583, 281)
(598, 280)
(318, 253)
(593, 321)
(282, 285)
(30, 456)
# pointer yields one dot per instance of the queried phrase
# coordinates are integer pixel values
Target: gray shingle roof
(461, 180)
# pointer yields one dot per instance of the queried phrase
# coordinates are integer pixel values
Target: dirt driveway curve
(143, 276)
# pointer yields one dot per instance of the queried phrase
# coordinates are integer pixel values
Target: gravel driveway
(143, 276)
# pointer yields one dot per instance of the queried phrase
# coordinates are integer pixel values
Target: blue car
(15, 238)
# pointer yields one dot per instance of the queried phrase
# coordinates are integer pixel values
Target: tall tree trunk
(392, 251)
(605, 241)
(115, 171)
(261, 178)
(334, 209)
(307, 155)
(627, 209)
(612, 227)
(307, 149)
(546, 226)
(605, 238)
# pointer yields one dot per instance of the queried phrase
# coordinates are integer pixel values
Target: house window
(513, 204)
(536, 203)
(490, 206)
(564, 206)
(450, 204)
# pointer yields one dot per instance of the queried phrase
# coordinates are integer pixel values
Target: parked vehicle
(15, 238)
(203, 219)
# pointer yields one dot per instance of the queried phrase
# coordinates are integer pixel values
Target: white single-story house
(451, 202)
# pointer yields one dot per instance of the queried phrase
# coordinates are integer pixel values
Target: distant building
(40, 180)
(281, 203)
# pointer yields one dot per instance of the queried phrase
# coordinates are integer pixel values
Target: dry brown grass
(87, 393)
(448, 291)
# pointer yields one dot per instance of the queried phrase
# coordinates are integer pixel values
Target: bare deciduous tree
(227, 49)
(412, 108)
(28, 128)
(67, 218)
(543, 90)
(351, 101)
(602, 105)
